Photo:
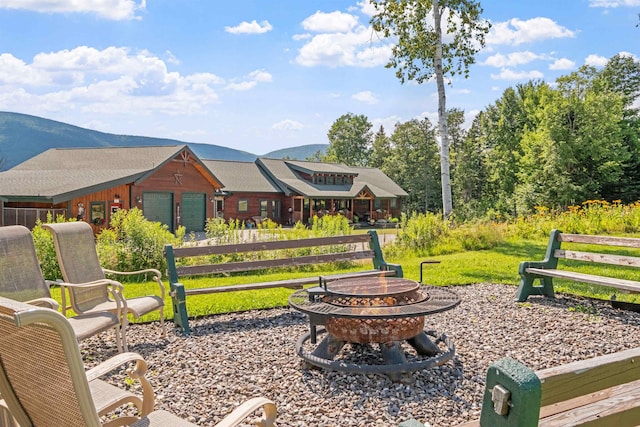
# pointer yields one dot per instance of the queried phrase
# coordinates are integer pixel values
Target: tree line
(540, 144)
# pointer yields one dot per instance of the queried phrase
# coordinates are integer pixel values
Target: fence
(28, 216)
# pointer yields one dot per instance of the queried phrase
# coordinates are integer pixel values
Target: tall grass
(429, 234)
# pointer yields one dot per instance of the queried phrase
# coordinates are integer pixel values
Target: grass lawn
(498, 265)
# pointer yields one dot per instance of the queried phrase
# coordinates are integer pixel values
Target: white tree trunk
(447, 204)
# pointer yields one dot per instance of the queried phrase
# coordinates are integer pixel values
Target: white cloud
(250, 81)
(250, 28)
(334, 22)
(596, 60)
(562, 64)
(343, 49)
(109, 9)
(365, 96)
(516, 31)
(614, 3)
(367, 8)
(513, 59)
(113, 80)
(507, 74)
(287, 125)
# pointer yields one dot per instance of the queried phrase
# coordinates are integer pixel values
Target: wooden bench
(546, 270)
(337, 248)
(602, 391)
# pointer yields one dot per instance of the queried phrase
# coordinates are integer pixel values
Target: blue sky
(260, 75)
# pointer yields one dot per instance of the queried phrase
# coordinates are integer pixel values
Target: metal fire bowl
(366, 331)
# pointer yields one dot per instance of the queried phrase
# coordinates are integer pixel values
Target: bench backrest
(352, 253)
(627, 242)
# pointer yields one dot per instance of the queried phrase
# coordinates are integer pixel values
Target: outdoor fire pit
(383, 311)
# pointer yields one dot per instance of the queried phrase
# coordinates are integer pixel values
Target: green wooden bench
(350, 248)
(545, 271)
(600, 392)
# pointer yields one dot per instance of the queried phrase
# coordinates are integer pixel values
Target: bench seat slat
(627, 285)
(238, 267)
(288, 283)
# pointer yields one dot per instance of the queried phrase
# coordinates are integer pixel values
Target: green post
(178, 295)
(378, 258)
(512, 396)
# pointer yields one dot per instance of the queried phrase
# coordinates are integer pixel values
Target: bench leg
(179, 300)
(526, 288)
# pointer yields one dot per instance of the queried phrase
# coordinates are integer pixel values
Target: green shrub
(45, 248)
(134, 243)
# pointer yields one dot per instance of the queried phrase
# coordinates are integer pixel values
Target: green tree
(413, 165)
(380, 149)
(350, 140)
(421, 52)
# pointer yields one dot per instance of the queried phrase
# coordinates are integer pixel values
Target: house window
(276, 211)
(377, 203)
(98, 214)
(330, 180)
(320, 179)
(394, 203)
(338, 179)
(243, 205)
(264, 209)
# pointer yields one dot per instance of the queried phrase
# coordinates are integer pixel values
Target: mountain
(23, 136)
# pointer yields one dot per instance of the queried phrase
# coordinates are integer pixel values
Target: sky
(262, 75)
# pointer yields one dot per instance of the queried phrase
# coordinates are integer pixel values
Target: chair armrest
(45, 302)
(156, 277)
(247, 408)
(138, 372)
(113, 287)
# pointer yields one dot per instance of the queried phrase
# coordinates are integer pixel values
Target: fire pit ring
(374, 310)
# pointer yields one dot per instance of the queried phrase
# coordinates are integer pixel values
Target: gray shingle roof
(239, 177)
(57, 174)
(367, 178)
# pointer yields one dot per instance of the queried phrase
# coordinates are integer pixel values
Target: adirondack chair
(79, 263)
(44, 383)
(21, 279)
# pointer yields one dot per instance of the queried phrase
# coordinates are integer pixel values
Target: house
(169, 183)
(288, 191)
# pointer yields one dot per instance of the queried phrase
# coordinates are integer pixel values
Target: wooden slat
(242, 266)
(588, 376)
(287, 283)
(621, 408)
(629, 242)
(630, 261)
(627, 285)
(269, 246)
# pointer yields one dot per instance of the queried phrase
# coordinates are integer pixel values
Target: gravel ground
(232, 357)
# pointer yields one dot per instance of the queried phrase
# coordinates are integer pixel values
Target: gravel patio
(232, 357)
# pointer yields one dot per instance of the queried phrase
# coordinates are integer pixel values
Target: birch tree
(422, 51)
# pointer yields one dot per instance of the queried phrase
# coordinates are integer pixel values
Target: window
(393, 203)
(377, 203)
(338, 179)
(98, 214)
(276, 212)
(243, 205)
(320, 179)
(329, 180)
(264, 209)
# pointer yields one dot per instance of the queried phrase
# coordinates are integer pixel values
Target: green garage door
(194, 211)
(158, 207)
